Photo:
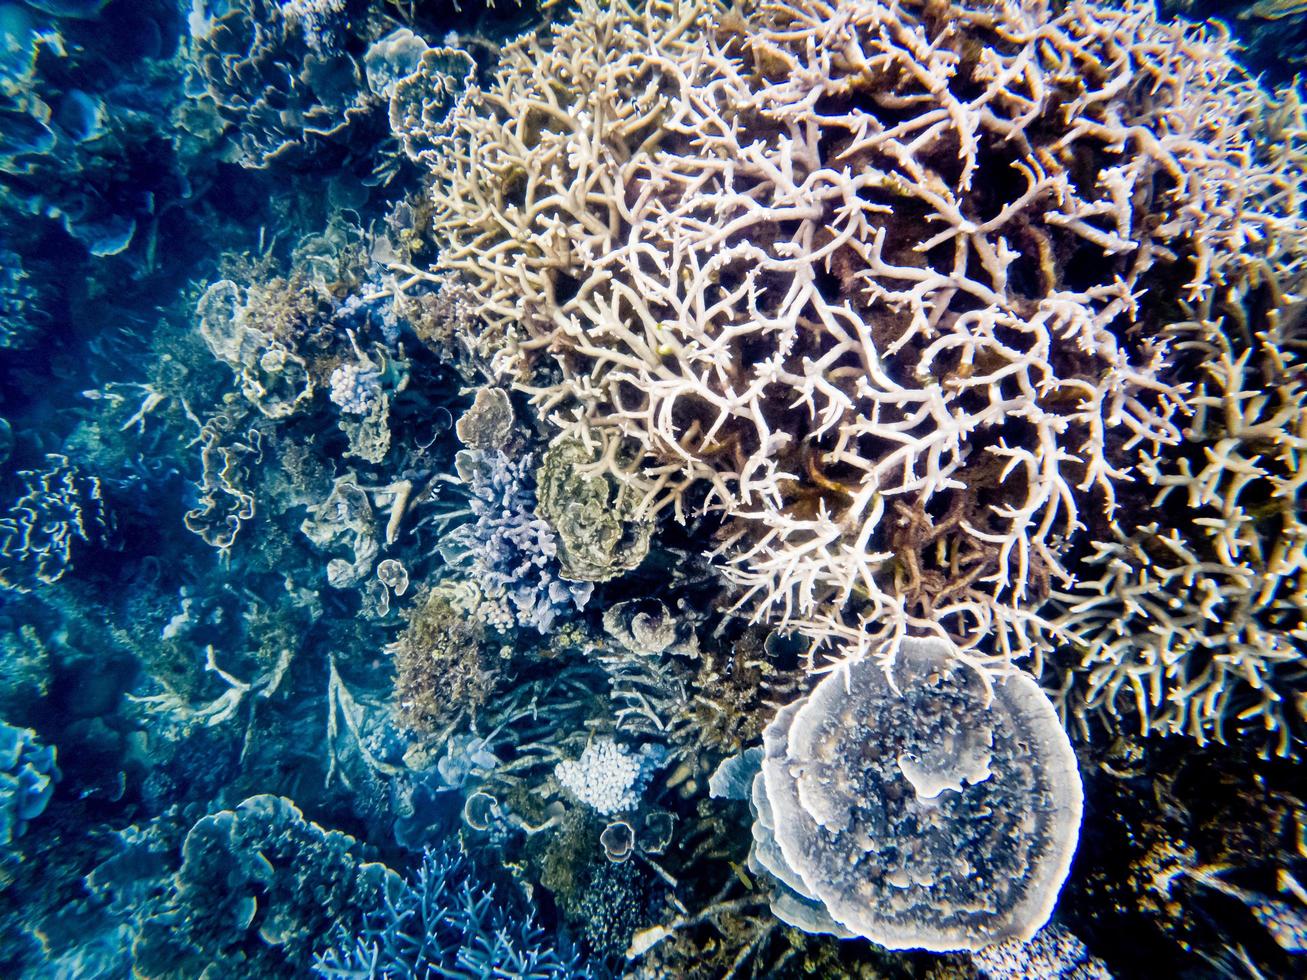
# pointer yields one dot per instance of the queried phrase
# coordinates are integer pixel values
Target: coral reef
(279, 76)
(690, 490)
(608, 777)
(512, 554)
(1194, 626)
(1053, 952)
(21, 317)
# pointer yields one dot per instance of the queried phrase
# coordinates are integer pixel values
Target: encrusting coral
(439, 674)
(884, 284)
(257, 887)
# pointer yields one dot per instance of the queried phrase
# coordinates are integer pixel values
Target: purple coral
(511, 553)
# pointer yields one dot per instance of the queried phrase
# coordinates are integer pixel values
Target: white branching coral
(885, 284)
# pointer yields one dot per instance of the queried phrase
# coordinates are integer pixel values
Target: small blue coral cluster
(445, 922)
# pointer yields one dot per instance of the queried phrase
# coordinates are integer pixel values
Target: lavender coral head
(510, 552)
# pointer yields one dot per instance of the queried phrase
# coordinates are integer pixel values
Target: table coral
(923, 808)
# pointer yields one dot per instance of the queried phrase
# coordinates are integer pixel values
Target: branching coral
(258, 887)
(445, 922)
(886, 281)
(1195, 624)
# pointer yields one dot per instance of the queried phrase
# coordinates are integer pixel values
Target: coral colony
(671, 489)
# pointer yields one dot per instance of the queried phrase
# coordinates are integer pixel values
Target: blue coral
(27, 777)
(447, 923)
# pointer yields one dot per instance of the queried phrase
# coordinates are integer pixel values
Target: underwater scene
(673, 489)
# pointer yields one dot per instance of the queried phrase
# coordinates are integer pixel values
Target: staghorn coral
(885, 282)
(1198, 624)
(699, 701)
